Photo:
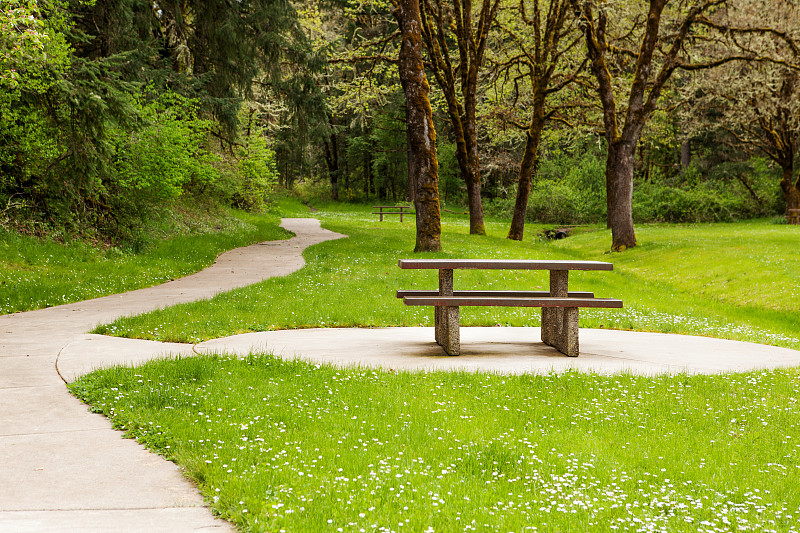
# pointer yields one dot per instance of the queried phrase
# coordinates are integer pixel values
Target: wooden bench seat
(489, 293)
(511, 301)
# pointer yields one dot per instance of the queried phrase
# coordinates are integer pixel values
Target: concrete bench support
(560, 324)
(446, 318)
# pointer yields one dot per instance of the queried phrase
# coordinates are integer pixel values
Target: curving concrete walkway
(63, 468)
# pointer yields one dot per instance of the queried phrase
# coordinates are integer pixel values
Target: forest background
(115, 115)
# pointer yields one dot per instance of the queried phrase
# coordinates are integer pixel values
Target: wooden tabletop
(503, 264)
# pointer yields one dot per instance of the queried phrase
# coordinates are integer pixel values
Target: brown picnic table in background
(394, 210)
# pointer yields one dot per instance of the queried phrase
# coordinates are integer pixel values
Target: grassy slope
(37, 273)
(724, 280)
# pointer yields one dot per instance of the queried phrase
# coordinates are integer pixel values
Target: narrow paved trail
(63, 468)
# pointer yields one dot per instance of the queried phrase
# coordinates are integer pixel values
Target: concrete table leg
(547, 325)
(438, 324)
(571, 347)
(451, 342)
(448, 328)
(566, 338)
(560, 324)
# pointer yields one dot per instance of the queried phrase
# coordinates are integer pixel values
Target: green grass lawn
(36, 273)
(290, 446)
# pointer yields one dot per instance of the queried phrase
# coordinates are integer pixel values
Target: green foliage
(34, 54)
(258, 174)
(390, 162)
(107, 108)
(167, 153)
(32, 46)
(312, 192)
(570, 189)
(557, 202)
(729, 192)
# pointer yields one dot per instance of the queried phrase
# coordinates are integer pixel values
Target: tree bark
(791, 188)
(423, 166)
(332, 161)
(619, 194)
(527, 168)
(471, 40)
(541, 58)
(622, 141)
(686, 156)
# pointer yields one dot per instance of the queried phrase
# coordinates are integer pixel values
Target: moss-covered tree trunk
(527, 168)
(423, 167)
(473, 177)
(442, 22)
(468, 161)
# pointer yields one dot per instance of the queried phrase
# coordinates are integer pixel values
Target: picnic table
(559, 304)
(793, 216)
(393, 210)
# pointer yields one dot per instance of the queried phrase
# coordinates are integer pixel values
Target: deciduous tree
(458, 77)
(633, 54)
(757, 103)
(537, 39)
(423, 166)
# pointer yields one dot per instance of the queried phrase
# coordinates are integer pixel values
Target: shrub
(157, 161)
(572, 191)
(553, 202)
(257, 171)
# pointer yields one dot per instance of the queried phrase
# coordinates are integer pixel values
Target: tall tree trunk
(462, 77)
(790, 187)
(473, 181)
(686, 156)
(423, 167)
(528, 166)
(619, 194)
(332, 161)
(473, 176)
(467, 159)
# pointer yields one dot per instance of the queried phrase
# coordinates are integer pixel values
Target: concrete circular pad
(510, 350)
(501, 350)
